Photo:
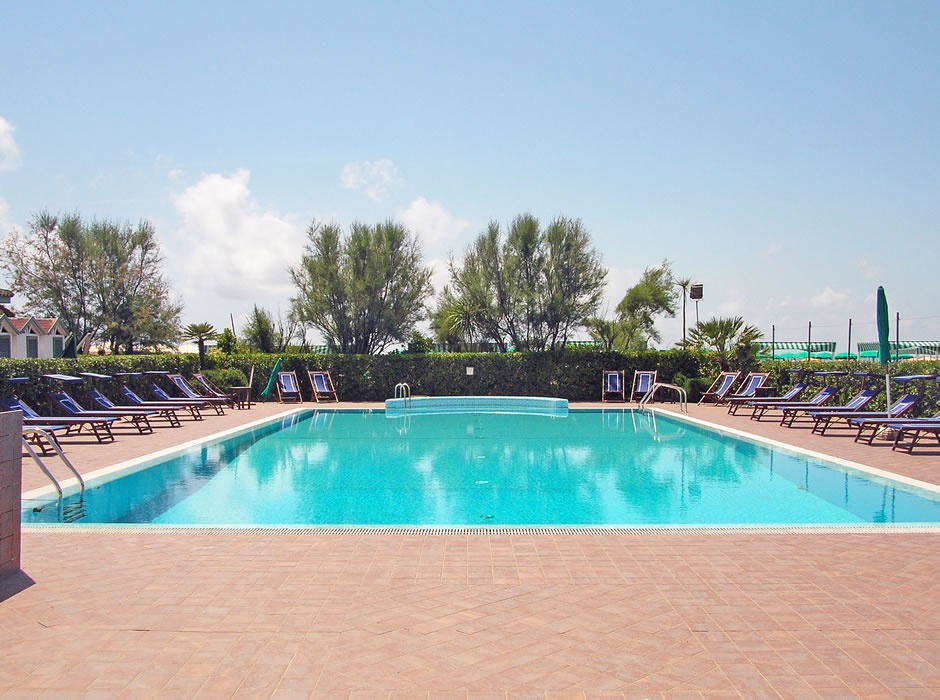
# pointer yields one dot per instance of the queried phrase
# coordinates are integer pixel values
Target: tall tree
(266, 333)
(652, 296)
(200, 332)
(363, 292)
(685, 284)
(102, 278)
(530, 287)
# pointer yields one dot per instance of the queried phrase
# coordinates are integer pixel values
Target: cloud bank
(10, 154)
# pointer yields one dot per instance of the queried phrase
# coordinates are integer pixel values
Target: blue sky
(785, 155)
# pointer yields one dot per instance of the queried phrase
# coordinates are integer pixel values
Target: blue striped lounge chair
(105, 404)
(193, 407)
(720, 388)
(200, 403)
(612, 388)
(139, 418)
(288, 388)
(189, 393)
(856, 403)
(643, 381)
(321, 385)
(100, 425)
(790, 395)
(875, 424)
(748, 390)
(928, 426)
(824, 419)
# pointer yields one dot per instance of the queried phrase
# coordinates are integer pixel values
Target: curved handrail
(403, 391)
(683, 397)
(58, 450)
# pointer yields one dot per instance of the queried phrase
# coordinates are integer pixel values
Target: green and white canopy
(914, 347)
(821, 346)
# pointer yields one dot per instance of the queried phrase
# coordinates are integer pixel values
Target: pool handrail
(683, 396)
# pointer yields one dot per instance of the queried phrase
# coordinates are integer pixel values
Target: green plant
(200, 332)
(226, 378)
(419, 343)
(226, 342)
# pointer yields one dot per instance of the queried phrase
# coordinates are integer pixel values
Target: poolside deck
(256, 614)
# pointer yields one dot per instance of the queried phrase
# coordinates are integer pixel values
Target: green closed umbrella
(272, 379)
(884, 342)
(69, 350)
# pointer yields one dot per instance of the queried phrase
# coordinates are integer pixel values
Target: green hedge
(572, 374)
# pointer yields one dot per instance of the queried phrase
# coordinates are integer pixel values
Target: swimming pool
(592, 467)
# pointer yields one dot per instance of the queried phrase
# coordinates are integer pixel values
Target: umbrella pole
(888, 391)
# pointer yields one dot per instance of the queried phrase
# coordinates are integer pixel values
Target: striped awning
(320, 349)
(821, 346)
(916, 347)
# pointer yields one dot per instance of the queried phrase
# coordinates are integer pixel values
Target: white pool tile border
(159, 454)
(858, 466)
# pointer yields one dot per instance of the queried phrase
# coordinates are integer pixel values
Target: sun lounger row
(103, 415)
(852, 414)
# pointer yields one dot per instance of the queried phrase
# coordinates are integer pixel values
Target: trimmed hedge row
(572, 374)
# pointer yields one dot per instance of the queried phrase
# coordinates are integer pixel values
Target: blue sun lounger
(821, 397)
(790, 395)
(876, 424)
(754, 381)
(200, 403)
(898, 408)
(107, 405)
(288, 389)
(192, 407)
(720, 388)
(927, 426)
(643, 381)
(138, 417)
(857, 403)
(188, 392)
(612, 385)
(100, 426)
(322, 385)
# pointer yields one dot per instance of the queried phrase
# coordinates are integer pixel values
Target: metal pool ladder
(72, 511)
(403, 391)
(683, 397)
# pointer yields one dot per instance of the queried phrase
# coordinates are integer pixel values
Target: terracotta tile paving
(264, 614)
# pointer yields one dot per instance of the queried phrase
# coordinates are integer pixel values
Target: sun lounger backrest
(100, 398)
(903, 404)
(726, 381)
(612, 382)
(753, 383)
(16, 404)
(68, 403)
(288, 383)
(862, 398)
(794, 392)
(130, 395)
(160, 393)
(823, 394)
(644, 380)
(181, 384)
(319, 382)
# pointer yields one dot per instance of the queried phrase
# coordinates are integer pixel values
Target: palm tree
(200, 332)
(685, 284)
(728, 337)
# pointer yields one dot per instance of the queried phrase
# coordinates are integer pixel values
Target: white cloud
(866, 268)
(232, 248)
(10, 155)
(373, 176)
(440, 274)
(433, 223)
(829, 298)
(174, 174)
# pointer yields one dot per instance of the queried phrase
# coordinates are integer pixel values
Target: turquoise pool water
(588, 468)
